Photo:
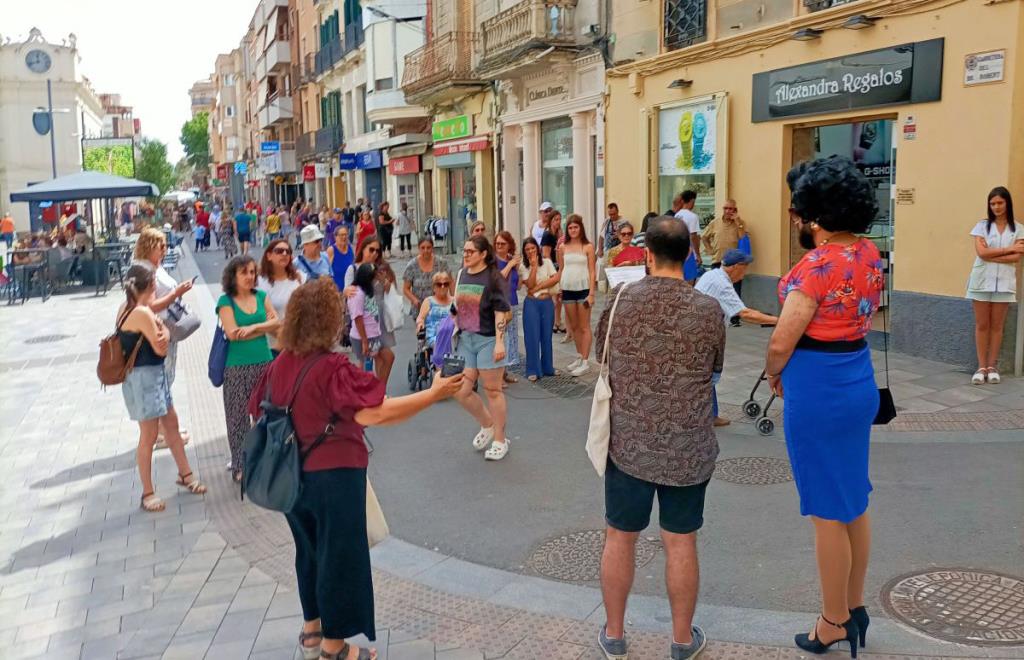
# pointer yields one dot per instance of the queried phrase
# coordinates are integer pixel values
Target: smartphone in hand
(453, 365)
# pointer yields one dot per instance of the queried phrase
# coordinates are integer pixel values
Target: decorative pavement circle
(46, 339)
(753, 470)
(966, 606)
(576, 557)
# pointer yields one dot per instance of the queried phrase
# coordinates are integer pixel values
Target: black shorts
(575, 296)
(628, 502)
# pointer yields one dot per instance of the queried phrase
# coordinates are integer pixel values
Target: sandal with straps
(151, 503)
(364, 654)
(194, 486)
(310, 652)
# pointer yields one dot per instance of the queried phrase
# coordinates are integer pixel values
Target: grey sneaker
(691, 650)
(614, 649)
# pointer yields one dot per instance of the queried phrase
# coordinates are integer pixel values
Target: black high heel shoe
(804, 641)
(860, 615)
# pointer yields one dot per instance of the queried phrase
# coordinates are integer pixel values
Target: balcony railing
(530, 23)
(305, 146)
(328, 56)
(354, 37)
(308, 72)
(329, 140)
(444, 63)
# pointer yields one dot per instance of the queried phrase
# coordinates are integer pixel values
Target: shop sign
(321, 170)
(910, 129)
(982, 68)
(241, 168)
(905, 196)
(271, 146)
(451, 129)
(368, 160)
(308, 172)
(479, 144)
(269, 163)
(547, 90)
(687, 137)
(910, 73)
(404, 165)
(222, 172)
(347, 161)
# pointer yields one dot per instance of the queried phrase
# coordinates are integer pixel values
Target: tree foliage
(119, 160)
(153, 165)
(195, 138)
(183, 173)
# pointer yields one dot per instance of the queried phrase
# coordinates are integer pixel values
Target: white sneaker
(979, 377)
(483, 438)
(581, 369)
(566, 338)
(993, 376)
(497, 451)
(575, 363)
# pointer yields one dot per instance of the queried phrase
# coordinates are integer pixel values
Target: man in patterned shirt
(667, 342)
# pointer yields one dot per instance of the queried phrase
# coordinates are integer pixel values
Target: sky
(148, 51)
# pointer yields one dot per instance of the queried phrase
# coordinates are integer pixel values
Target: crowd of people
(287, 318)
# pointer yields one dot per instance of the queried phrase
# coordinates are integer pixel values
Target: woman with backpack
(332, 569)
(147, 389)
(247, 316)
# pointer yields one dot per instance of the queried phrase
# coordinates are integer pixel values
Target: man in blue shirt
(243, 222)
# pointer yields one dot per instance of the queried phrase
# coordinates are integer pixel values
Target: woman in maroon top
(332, 556)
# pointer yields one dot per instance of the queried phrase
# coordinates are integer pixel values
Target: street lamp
(49, 110)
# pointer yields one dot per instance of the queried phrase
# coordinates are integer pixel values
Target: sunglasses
(373, 250)
(626, 234)
(441, 284)
(728, 208)
(281, 250)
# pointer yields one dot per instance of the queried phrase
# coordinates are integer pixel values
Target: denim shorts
(478, 351)
(628, 502)
(245, 237)
(147, 394)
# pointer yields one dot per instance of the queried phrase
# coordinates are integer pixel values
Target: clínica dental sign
(909, 73)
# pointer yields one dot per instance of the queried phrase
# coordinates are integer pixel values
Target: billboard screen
(111, 155)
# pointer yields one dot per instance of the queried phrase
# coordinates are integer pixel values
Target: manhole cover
(46, 339)
(981, 608)
(576, 557)
(563, 386)
(753, 470)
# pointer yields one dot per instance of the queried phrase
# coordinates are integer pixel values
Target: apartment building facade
(726, 95)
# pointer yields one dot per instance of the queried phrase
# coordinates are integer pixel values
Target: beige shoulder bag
(599, 435)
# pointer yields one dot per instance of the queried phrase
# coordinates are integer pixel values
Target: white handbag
(376, 526)
(392, 312)
(599, 434)
(180, 320)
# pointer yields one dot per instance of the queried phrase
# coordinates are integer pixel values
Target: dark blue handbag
(744, 245)
(218, 356)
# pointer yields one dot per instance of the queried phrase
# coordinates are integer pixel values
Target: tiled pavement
(85, 574)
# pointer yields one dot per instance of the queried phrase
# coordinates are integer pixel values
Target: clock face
(38, 61)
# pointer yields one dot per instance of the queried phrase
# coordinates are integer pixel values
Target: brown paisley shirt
(666, 341)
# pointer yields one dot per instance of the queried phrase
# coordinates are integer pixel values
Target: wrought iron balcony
(307, 72)
(354, 37)
(528, 25)
(325, 141)
(327, 56)
(441, 68)
(305, 146)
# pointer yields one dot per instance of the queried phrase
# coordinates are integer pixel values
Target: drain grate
(753, 470)
(576, 557)
(46, 339)
(563, 386)
(962, 605)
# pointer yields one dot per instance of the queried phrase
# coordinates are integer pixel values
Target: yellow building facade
(927, 96)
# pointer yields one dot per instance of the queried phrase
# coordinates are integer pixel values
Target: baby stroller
(420, 369)
(752, 409)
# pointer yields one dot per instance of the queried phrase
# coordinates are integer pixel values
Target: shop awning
(85, 185)
(409, 150)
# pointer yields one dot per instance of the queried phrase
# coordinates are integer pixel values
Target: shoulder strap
(310, 362)
(305, 264)
(608, 330)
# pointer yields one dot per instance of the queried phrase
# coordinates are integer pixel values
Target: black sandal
(364, 654)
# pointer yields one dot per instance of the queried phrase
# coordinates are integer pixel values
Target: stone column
(509, 171)
(582, 176)
(531, 175)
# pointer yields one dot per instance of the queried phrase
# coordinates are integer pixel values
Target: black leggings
(332, 554)
(405, 242)
(386, 232)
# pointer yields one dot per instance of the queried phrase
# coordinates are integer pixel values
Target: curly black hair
(833, 193)
(228, 277)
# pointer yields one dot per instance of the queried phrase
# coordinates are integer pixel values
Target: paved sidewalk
(84, 573)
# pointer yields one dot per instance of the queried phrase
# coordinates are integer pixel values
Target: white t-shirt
(279, 293)
(691, 219)
(988, 276)
(716, 283)
(538, 231)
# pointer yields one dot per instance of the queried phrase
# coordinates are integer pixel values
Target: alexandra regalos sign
(910, 73)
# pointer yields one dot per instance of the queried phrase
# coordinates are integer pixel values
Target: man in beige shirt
(724, 233)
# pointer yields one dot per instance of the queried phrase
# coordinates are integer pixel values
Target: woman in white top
(540, 278)
(278, 278)
(578, 266)
(992, 286)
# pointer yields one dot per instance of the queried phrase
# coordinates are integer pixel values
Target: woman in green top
(246, 316)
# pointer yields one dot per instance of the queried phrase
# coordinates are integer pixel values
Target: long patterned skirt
(239, 383)
(512, 338)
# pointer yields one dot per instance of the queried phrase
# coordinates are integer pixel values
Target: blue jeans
(538, 321)
(715, 377)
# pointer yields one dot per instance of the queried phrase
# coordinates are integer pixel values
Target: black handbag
(272, 476)
(886, 405)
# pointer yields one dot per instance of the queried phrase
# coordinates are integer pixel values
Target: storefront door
(375, 186)
(407, 195)
(462, 210)
(556, 155)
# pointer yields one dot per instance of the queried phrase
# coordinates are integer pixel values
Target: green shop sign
(450, 129)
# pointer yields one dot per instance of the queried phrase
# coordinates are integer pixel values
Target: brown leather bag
(114, 365)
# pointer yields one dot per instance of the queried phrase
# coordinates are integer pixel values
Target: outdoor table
(24, 272)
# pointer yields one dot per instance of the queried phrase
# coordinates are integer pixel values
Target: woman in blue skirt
(819, 360)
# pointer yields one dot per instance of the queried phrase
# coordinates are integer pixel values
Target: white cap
(546, 206)
(310, 234)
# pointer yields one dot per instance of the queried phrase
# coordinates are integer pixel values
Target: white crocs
(483, 439)
(497, 451)
(979, 377)
(993, 376)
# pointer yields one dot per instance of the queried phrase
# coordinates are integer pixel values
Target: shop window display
(687, 145)
(556, 153)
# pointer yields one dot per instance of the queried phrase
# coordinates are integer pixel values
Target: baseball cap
(734, 257)
(546, 206)
(310, 234)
